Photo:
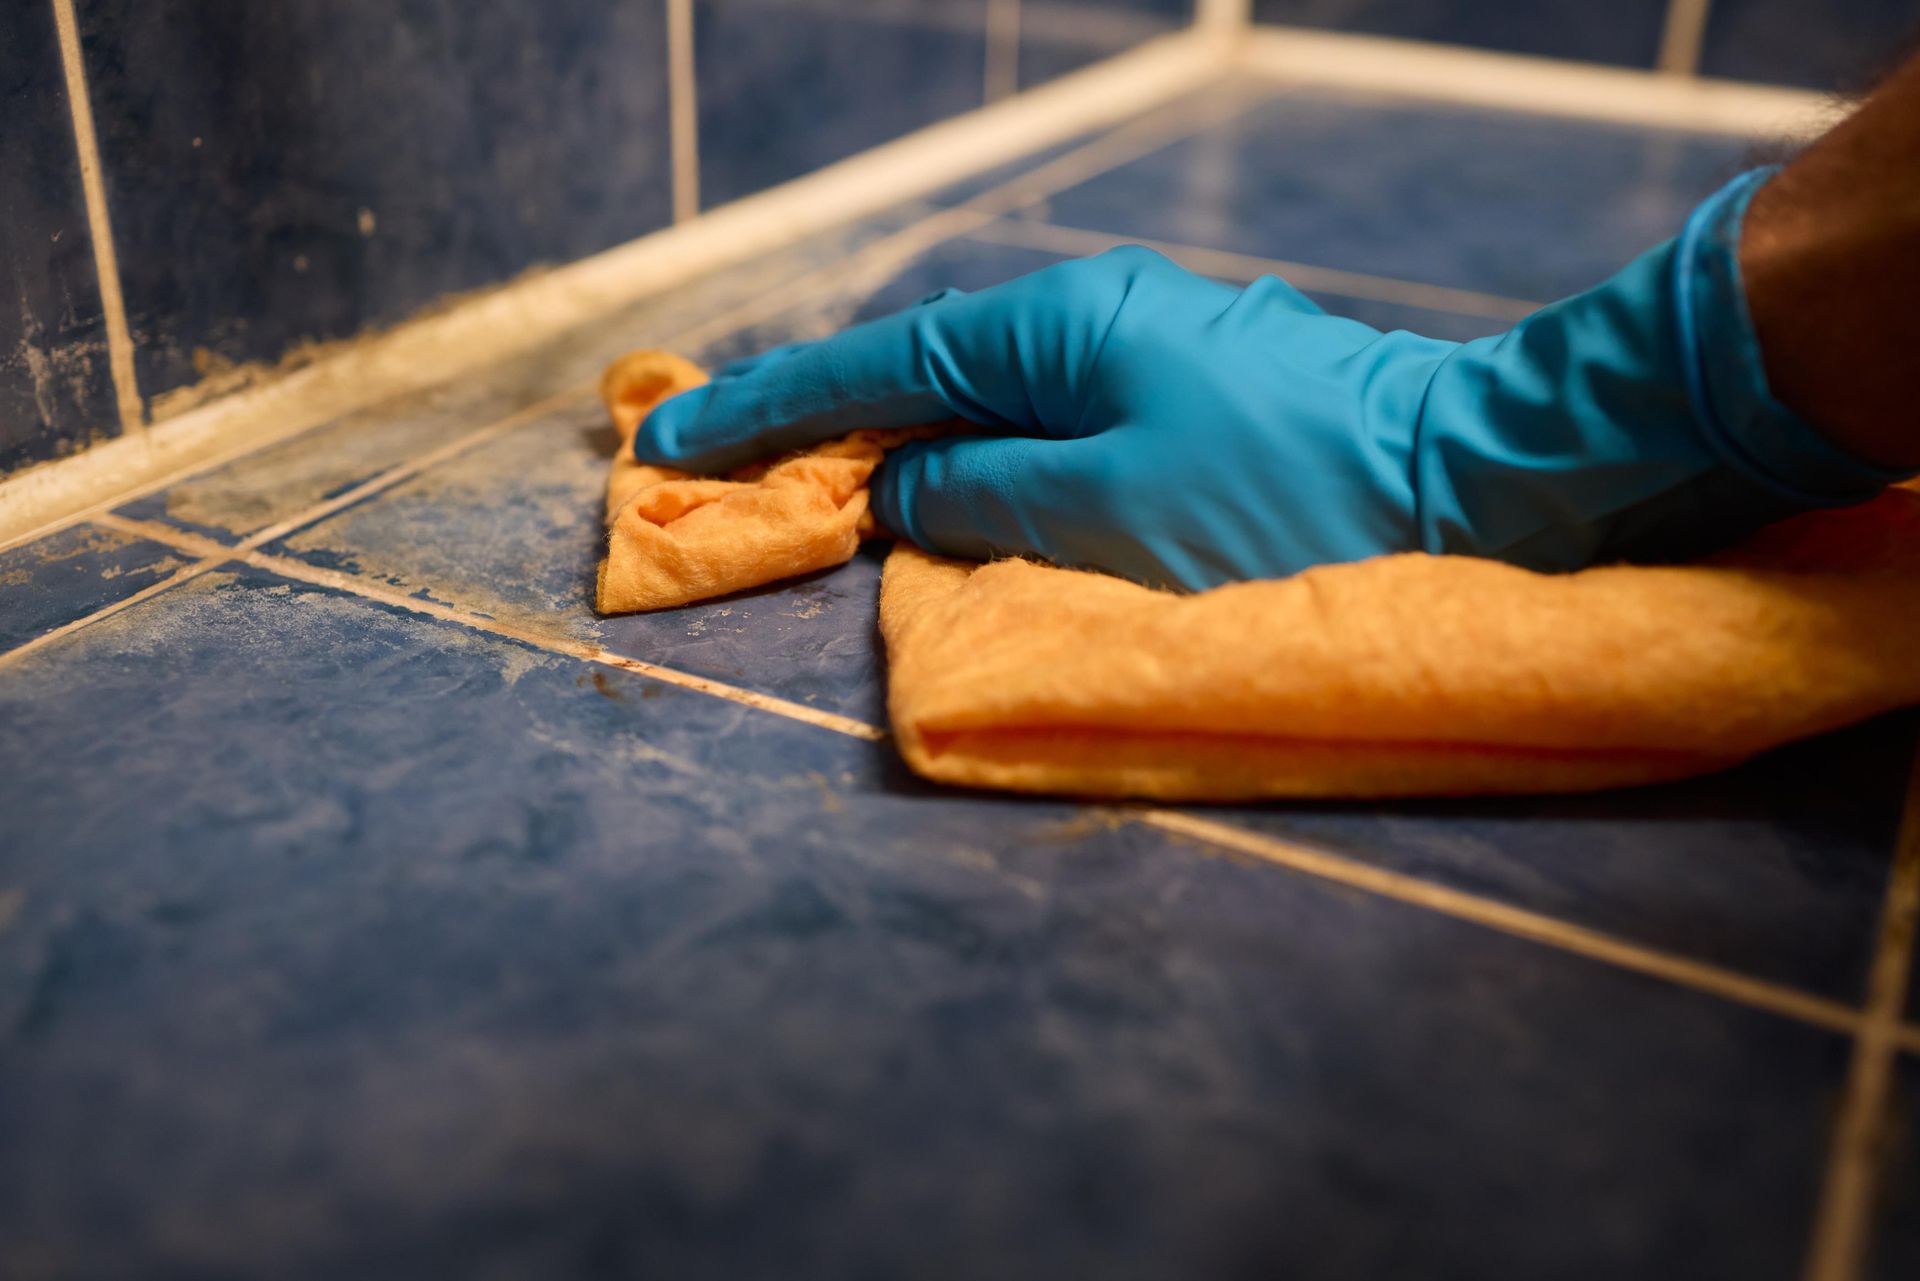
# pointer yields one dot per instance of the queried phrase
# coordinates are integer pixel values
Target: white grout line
(126, 387)
(1681, 37)
(683, 111)
(1003, 49)
(1538, 86)
(1844, 1220)
(1030, 234)
(493, 326)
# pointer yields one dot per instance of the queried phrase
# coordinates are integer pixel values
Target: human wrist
(1733, 401)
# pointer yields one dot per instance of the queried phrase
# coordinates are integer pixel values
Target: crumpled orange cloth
(675, 538)
(1398, 676)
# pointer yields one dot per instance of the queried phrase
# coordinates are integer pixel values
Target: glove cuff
(1727, 381)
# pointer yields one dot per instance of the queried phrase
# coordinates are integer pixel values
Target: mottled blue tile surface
(788, 87)
(1626, 31)
(361, 945)
(55, 393)
(282, 172)
(1776, 869)
(1058, 36)
(53, 580)
(1844, 46)
(1529, 208)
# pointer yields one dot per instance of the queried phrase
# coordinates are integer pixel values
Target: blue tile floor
(368, 907)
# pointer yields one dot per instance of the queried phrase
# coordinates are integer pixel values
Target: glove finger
(976, 496)
(1011, 358)
(747, 364)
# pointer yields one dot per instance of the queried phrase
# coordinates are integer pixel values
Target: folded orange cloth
(1402, 675)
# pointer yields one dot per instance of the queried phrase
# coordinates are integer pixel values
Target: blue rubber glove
(1177, 431)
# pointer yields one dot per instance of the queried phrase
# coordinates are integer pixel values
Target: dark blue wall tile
(1058, 36)
(55, 392)
(281, 172)
(1625, 31)
(1844, 45)
(52, 581)
(360, 945)
(786, 88)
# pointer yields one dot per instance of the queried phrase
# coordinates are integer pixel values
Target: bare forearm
(1831, 258)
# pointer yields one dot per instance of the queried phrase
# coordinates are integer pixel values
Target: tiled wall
(282, 172)
(1834, 44)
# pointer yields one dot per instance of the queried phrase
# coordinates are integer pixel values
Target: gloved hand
(1148, 422)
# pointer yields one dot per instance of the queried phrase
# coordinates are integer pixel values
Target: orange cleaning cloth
(1398, 676)
(674, 538)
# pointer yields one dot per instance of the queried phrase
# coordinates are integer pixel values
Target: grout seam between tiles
(1843, 1218)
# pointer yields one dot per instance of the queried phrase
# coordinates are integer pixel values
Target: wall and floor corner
(194, 202)
(278, 190)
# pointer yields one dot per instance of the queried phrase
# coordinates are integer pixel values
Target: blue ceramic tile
(1626, 33)
(359, 945)
(1845, 46)
(1775, 869)
(1058, 36)
(55, 392)
(1529, 208)
(52, 581)
(282, 172)
(786, 88)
